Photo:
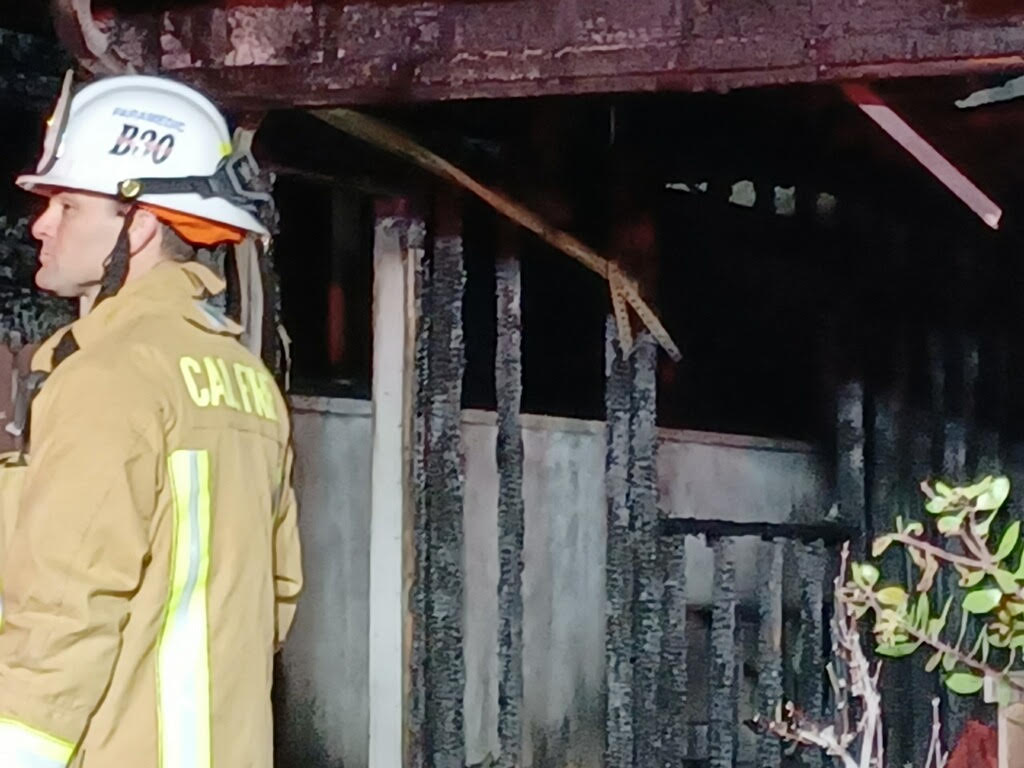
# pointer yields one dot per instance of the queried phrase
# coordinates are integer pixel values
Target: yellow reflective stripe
(183, 664)
(25, 747)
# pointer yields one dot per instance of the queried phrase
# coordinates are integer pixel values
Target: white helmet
(156, 141)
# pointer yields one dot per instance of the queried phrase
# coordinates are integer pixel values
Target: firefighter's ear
(145, 230)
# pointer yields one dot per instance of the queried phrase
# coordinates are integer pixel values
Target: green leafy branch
(991, 594)
(855, 737)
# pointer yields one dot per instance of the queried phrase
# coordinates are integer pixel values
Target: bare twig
(936, 757)
(854, 680)
(980, 560)
(938, 552)
(855, 741)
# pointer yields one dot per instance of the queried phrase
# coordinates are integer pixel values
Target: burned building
(543, 527)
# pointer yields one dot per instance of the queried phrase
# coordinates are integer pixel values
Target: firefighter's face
(76, 232)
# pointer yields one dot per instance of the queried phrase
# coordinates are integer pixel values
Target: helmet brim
(46, 185)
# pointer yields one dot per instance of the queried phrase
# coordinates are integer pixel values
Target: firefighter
(153, 567)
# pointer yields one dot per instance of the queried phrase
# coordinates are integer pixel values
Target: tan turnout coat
(153, 565)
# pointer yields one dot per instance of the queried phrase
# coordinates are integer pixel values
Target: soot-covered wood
(722, 689)
(619, 738)
(673, 681)
(324, 52)
(648, 585)
(441, 358)
(509, 388)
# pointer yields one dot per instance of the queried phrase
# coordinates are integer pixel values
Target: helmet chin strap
(115, 267)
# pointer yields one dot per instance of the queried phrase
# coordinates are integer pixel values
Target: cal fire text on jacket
(211, 383)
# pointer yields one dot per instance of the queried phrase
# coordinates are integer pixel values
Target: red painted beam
(321, 52)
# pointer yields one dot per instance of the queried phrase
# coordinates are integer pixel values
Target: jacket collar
(170, 288)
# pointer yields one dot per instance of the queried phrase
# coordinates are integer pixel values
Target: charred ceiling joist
(320, 52)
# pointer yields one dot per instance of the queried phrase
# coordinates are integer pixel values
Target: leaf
(928, 571)
(998, 634)
(916, 556)
(994, 496)
(949, 523)
(865, 573)
(914, 529)
(1006, 582)
(879, 545)
(982, 528)
(943, 489)
(894, 596)
(923, 611)
(898, 650)
(973, 491)
(1010, 538)
(935, 626)
(964, 683)
(977, 645)
(970, 578)
(937, 505)
(982, 600)
(933, 662)
(949, 661)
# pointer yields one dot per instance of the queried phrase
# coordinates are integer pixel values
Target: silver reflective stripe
(183, 654)
(25, 747)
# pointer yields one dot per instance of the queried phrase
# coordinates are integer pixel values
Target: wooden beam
(943, 170)
(826, 532)
(325, 53)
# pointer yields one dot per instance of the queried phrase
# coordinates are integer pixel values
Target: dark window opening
(795, 244)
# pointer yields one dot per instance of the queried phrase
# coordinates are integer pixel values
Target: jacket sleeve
(287, 555)
(76, 557)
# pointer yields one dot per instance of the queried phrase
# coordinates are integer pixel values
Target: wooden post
(619, 566)
(673, 680)
(393, 334)
(924, 684)
(769, 646)
(446, 666)
(953, 413)
(850, 456)
(1010, 724)
(508, 370)
(811, 566)
(418, 523)
(722, 690)
(883, 494)
(648, 582)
